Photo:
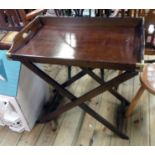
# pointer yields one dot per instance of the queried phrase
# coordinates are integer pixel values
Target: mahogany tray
(113, 43)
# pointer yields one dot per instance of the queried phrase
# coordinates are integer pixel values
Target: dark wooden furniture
(149, 17)
(13, 20)
(147, 77)
(74, 13)
(87, 43)
(150, 32)
(106, 13)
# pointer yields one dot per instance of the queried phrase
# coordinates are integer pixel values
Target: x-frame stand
(104, 86)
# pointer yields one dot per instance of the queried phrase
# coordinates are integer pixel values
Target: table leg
(112, 91)
(102, 74)
(80, 101)
(73, 79)
(124, 103)
(69, 72)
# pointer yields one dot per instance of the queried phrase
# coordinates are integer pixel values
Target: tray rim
(15, 56)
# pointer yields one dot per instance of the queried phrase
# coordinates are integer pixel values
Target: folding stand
(104, 86)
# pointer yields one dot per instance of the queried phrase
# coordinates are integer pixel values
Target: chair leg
(134, 101)
(69, 72)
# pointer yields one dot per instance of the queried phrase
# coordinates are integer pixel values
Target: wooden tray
(114, 43)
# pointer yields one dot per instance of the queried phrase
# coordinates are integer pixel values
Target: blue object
(9, 75)
(3, 76)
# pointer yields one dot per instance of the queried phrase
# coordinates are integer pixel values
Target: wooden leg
(69, 72)
(101, 81)
(134, 101)
(119, 73)
(79, 101)
(102, 74)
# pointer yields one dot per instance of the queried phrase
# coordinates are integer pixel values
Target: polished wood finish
(147, 77)
(74, 13)
(150, 36)
(84, 42)
(149, 20)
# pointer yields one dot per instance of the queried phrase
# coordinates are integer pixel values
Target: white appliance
(22, 95)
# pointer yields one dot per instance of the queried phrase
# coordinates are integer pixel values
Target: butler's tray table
(87, 43)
